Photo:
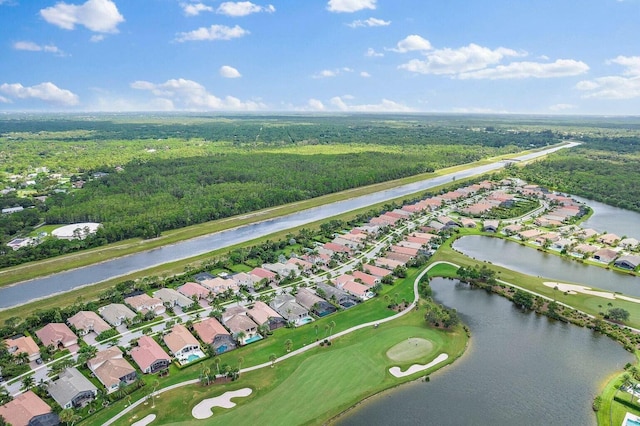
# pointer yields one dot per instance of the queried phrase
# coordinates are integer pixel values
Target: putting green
(411, 349)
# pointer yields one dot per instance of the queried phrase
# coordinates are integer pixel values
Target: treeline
(603, 169)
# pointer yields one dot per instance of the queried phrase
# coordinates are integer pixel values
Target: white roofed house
(171, 298)
(116, 314)
(281, 269)
(72, 389)
(286, 306)
(629, 243)
(219, 285)
(629, 261)
(86, 322)
(144, 304)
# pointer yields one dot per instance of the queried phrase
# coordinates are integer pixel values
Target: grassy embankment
(314, 386)
(88, 257)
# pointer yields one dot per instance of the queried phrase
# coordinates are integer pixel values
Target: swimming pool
(192, 357)
(304, 321)
(631, 420)
(253, 339)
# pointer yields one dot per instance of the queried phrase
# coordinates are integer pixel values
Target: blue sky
(527, 56)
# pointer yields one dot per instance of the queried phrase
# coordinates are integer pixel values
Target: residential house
(281, 269)
(407, 251)
(468, 223)
(86, 322)
(586, 233)
(629, 243)
(262, 314)
(531, 233)
(301, 264)
(314, 303)
(57, 334)
(388, 263)
(72, 389)
(202, 276)
(23, 344)
(144, 304)
(219, 285)
(561, 244)
(605, 255)
(336, 295)
(244, 279)
(150, 356)
(171, 297)
(192, 290)
(582, 249)
(358, 290)
(180, 342)
(376, 271)
(242, 328)
(110, 367)
(366, 279)
(116, 314)
(608, 239)
(213, 333)
(27, 409)
(511, 229)
(290, 310)
(397, 257)
(490, 225)
(263, 273)
(413, 245)
(629, 261)
(448, 222)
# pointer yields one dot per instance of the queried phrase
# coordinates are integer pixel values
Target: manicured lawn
(315, 386)
(612, 412)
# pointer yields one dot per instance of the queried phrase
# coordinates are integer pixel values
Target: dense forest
(602, 169)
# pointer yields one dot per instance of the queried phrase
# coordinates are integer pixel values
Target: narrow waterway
(520, 369)
(530, 261)
(46, 286)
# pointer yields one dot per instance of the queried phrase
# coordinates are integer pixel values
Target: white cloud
(47, 92)
(412, 43)
(365, 74)
(626, 86)
(100, 16)
(454, 61)
(96, 38)
(562, 107)
(371, 53)
(559, 68)
(630, 63)
(371, 22)
(349, 6)
(190, 95)
(194, 9)
(315, 105)
(242, 8)
(229, 72)
(34, 47)
(3, 99)
(331, 73)
(385, 105)
(214, 32)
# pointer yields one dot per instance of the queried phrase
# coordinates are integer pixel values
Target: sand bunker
(575, 289)
(411, 349)
(203, 409)
(145, 420)
(418, 367)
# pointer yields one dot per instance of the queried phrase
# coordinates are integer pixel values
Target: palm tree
(326, 330)
(28, 382)
(332, 324)
(288, 344)
(273, 359)
(315, 327)
(240, 336)
(206, 373)
(156, 383)
(216, 360)
(240, 361)
(66, 415)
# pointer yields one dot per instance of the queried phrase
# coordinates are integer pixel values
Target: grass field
(315, 386)
(412, 349)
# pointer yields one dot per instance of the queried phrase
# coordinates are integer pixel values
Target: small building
(314, 303)
(608, 239)
(116, 314)
(243, 329)
(468, 223)
(57, 334)
(86, 322)
(23, 344)
(72, 389)
(171, 297)
(213, 333)
(629, 261)
(180, 342)
(144, 303)
(629, 243)
(336, 295)
(376, 271)
(263, 314)
(27, 409)
(110, 367)
(290, 310)
(605, 255)
(366, 279)
(150, 356)
(490, 225)
(10, 210)
(193, 289)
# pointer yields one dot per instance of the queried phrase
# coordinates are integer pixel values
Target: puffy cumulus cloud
(371, 53)
(349, 6)
(100, 16)
(625, 86)
(315, 105)
(47, 92)
(385, 105)
(371, 22)
(519, 70)
(365, 74)
(194, 9)
(242, 8)
(455, 61)
(190, 95)
(412, 43)
(331, 73)
(34, 47)
(229, 72)
(214, 32)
